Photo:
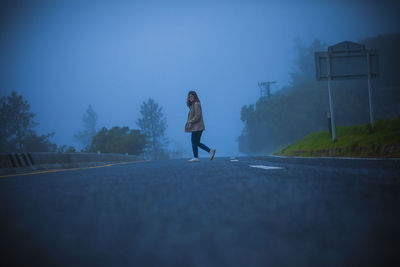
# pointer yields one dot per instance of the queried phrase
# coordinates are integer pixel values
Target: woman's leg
(195, 143)
(203, 146)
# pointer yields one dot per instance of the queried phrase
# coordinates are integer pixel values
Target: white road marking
(234, 160)
(266, 167)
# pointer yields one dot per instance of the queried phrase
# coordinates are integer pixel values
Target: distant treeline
(301, 108)
(17, 133)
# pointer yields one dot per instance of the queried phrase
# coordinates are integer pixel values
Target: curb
(366, 163)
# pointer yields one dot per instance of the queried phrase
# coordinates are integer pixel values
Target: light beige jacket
(195, 118)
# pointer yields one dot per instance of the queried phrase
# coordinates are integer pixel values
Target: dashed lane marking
(266, 167)
(71, 169)
(234, 160)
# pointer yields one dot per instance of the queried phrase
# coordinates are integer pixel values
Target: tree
(16, 131)
(35, 143)
(89, 128)
(304, 60)
(153, 124)
(118, 140)
(15, 120)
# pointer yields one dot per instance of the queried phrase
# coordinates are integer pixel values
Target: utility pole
(265, 89)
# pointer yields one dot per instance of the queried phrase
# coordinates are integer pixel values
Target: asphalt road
(212, 213)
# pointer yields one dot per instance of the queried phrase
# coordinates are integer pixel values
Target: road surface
(243, 211)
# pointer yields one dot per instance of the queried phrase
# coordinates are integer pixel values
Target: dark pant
(196, 143)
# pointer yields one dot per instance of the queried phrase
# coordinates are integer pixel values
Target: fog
(63, 56)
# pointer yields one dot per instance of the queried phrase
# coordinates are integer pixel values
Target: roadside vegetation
(352, 141)
(118, 140)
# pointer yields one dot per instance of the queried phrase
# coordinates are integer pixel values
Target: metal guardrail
(22, 160)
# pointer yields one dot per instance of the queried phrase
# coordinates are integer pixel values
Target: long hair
(196, 98)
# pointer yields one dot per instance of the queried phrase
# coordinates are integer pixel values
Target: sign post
(371, 117)
(331, 101)
(328, 114)
(347, 60)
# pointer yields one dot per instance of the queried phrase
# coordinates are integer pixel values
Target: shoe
(194, 160)
(212, 153)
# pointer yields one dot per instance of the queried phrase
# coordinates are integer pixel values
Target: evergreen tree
(16, 127)
(89, 128)
(153, 124)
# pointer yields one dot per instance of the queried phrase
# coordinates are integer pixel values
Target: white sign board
(347, 61)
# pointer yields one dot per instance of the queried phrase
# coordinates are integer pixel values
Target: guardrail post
(13, 163)
(25, 159)
(18, 160)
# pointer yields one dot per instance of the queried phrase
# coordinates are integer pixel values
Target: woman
(195, 125)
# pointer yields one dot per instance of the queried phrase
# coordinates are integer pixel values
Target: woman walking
(195, 125)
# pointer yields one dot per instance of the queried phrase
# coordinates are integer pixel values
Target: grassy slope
(356, 141)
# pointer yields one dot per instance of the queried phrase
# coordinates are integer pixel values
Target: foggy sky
(65, 55)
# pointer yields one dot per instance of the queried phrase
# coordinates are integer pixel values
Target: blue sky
(65, 55)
